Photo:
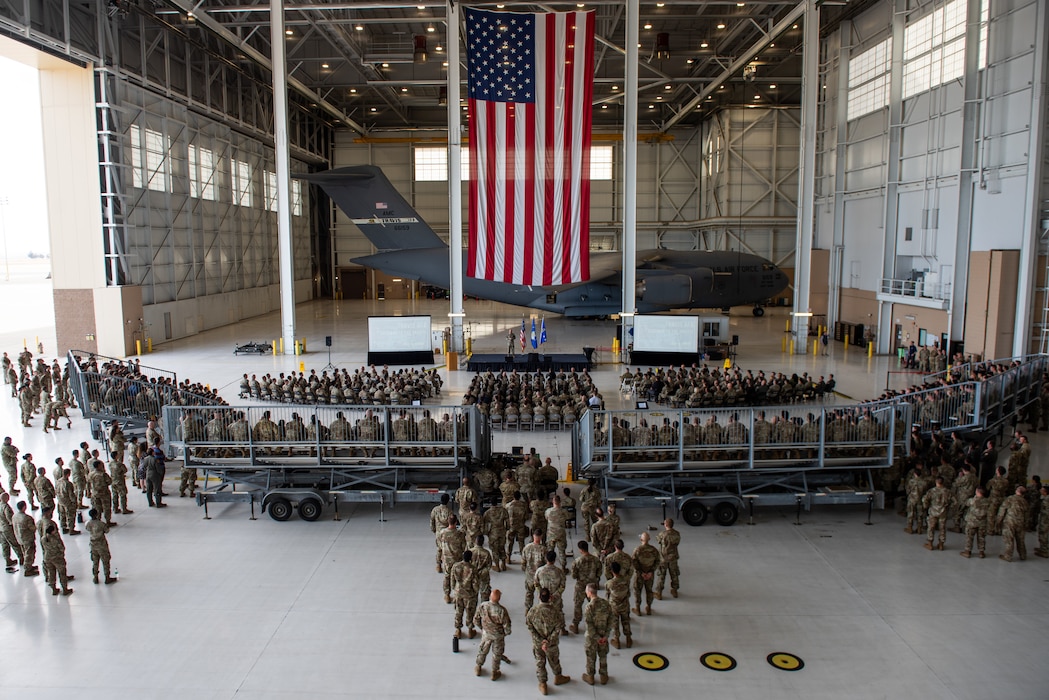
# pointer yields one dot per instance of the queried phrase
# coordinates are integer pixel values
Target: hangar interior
(911, 152)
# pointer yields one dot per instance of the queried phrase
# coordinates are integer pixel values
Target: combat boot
(659, 595)
(982, 555)
(95, 579)
(128, 512)
(673, 592)
(636, 611)
(967, 555)
(440, 570)
(458, 633)
(940, 546)
(629, 641)
(604, 679)
(561, 679)
(1005, 558)
(588, 679)
(473, 633)
(74, 532)
(928, 545)
(496, 675)
(54, 590)
(648, 609)
(110, 579)
(477, 670)
(1041, 553)
(67, 591)
(542, 688)
(615, 642)
(573, 628)
(447, 598)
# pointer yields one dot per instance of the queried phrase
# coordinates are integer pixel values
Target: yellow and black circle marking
(785, 662)
(717, 661)
(651, 661)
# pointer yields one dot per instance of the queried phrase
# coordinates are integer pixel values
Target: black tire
(726, 514)
(758, 311)
(310, 509)
(694, 513)
(280, 509)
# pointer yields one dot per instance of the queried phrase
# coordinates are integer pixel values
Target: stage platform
(529, 362)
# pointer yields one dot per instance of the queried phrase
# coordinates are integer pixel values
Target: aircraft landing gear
(758, 311)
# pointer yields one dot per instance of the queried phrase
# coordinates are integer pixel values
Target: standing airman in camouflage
(464, 496)
(54, 556)
(552, 577)
(496, 520)
(964, 488)
(482, 561)
(589, 501)
(66, 497)
(452, 543)
(28, 470)
(668, 539)
(118, 489)
(99, 491)
(464, 591)
(517, 531)
(8, 540)
(45, 490)
(1043, 523)
(97, 530)
(997, 488)
(438, 522)
(646, 561)
(937, 501)
(25, 532)
(79, 478)
(599, 620)
(618, 587)
(556, 538)
(494, 621)
(545, 622)
(1012, 520)
(533, 556)
(9, 455)
(509, 487)
(586, 569)
(472, 522)
(602, 534)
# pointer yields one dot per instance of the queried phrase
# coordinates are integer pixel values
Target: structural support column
(455, 188)
(1033, 196)
(841, 155)
(886, 322)
(810, 92)
(630, 99)
(280, 149)
(970, 126)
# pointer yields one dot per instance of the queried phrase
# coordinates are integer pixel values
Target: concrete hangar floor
(235, 608)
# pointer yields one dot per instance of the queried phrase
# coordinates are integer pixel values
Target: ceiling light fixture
(325, 65)
(721, 25)
(288, 32)
(772, 87)
(703, 45)
(648, 25)
(359, 27)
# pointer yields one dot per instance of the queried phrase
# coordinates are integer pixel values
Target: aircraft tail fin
(367, 197)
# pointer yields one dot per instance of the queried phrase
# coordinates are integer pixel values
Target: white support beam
(633, 9)
(810, 93)
(455, 187)
(283, 159)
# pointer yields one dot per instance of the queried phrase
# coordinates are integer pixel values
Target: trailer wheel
(694, 513)
(280, 509)
(310, 509)
(725, 514)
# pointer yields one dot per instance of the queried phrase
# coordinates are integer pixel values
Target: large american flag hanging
(530, 88)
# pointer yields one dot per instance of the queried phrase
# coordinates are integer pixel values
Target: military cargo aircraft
(666, 279)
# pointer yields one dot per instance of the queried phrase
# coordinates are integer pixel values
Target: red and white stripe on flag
(530, 90)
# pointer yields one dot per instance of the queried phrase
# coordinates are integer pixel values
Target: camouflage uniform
(494, 621)
(545, 622)
(464, 591)
(556, 539)
(996, 490)
(54, 557)
(438, 522)
(552, 578)
(79, 478)
(28, 470)
(603, 536)
(118, 489)
(964, 489)
(8, 540)
(464, 497)
(936, 501)
(25, 532)
(187, 481)
(517, 530)
(533, 556)
(508, 488)
(976, 519)
(9, 454)
(589, 500)
(618, 588)
(1012, 519)
(99, 484)
(1043, 528)
(452, 543)
(646, 561)
(66, 496)
(585, 569)
(45, 491)
(669, 540)
(496, 520)
(599, 621)
(97, 530)
(472, 524)
(538, 508)
(626, 564)
(482, 562)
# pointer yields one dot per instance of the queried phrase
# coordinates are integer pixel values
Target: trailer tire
(726, 514)
(310, 509)
(280, 509)
(694, 513)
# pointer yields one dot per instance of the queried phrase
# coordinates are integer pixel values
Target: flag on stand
(530, 87)
(542, 331)
(535, 341)
(522, 336)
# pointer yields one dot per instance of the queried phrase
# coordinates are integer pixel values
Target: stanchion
(149, 345)
(382, 516)
(336, 501)
(664, 500)
(206, 516)
(797, 517)
(138, 347)
(870, 508)
(870, 348)
(750, 508)
(252, 501)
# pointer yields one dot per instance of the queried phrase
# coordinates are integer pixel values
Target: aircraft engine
(665, 290)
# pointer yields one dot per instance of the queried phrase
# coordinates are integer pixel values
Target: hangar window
(601, 162)
(271, 191)
(296, 197)
(934, 47)
(869, 80)
(202, 173)
(242, 187)
(431, 163)
(149, 159)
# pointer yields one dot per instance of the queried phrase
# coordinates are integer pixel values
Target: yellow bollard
(302, 367)
(568, 473)
(783, 345)
(138, 347)
(815, 346)
(791, 347)
(274, 344)
(149, 345)
(846, 341)
(281, 339)
(870, 348)
(444, 347)
(787, 328)
(304, 345)
(469, 346)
